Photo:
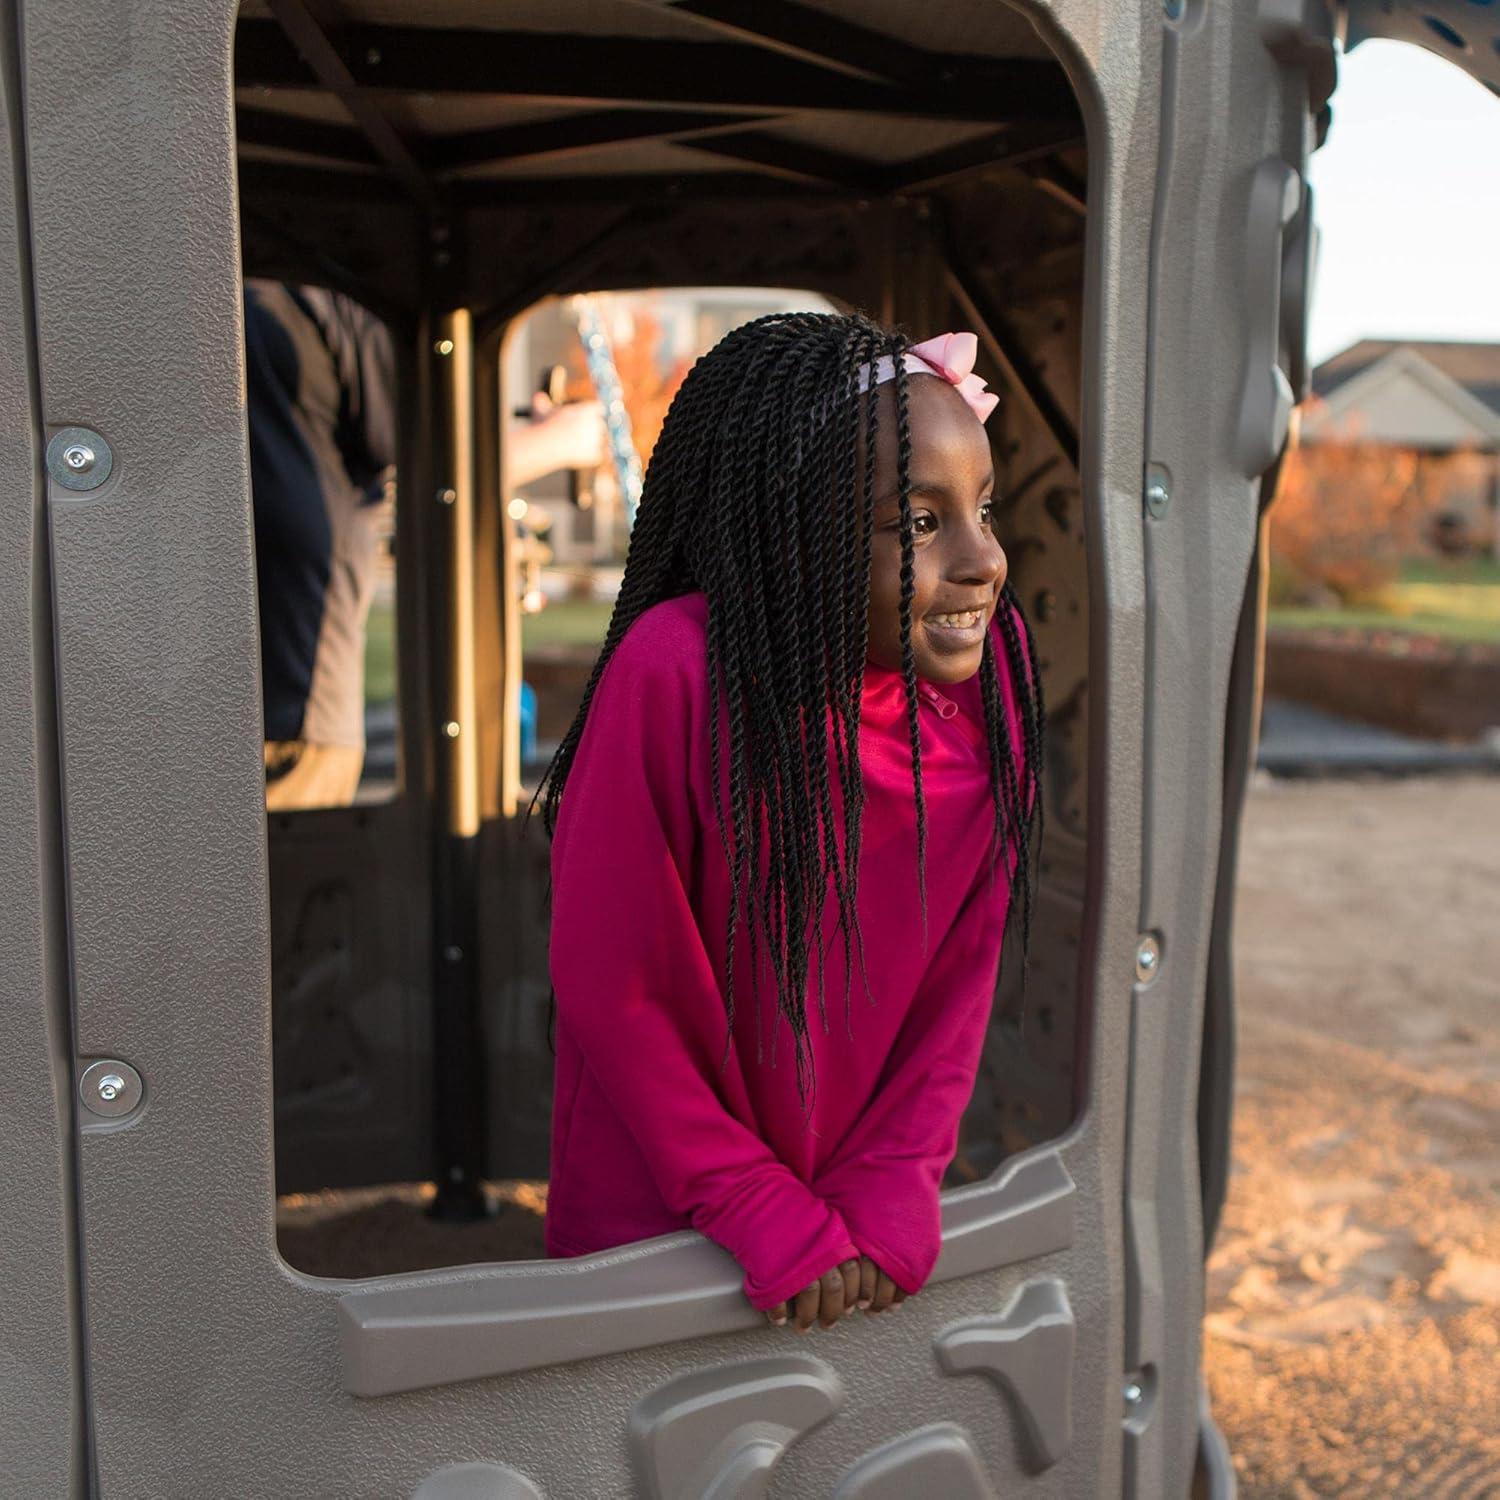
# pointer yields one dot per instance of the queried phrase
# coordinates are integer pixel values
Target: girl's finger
(899, 1297)
(885, 1292)
(867, 1275)
(777, 1315)
(850, 1269)
(805, 1311)
(831, 1308)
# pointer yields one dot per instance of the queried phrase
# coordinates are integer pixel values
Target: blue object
(528, 722)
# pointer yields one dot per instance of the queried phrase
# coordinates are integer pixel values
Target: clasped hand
(853, 1285)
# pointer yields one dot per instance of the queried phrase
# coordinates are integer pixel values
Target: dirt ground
(1353, 1334)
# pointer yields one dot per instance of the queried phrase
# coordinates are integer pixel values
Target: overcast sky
(1407, 191)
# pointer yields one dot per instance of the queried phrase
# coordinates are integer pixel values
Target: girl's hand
(826, 1301)
(877, 1291)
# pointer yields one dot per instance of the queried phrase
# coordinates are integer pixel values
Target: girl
(787, 819)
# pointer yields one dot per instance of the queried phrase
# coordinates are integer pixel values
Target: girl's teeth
(969, 617)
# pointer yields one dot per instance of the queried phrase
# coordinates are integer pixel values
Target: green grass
(1447, 627)
(380, 653)
(1455, 601)
(1469, 570)
(568, 622)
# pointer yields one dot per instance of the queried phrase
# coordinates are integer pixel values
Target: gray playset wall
(40, 1393)
(212, 1368)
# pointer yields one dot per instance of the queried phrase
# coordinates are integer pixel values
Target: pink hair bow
(950, 356)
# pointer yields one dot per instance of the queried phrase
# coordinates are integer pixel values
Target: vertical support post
(458, 1038)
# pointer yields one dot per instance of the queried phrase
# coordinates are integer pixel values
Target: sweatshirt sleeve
(886, 1176)
(636, 989)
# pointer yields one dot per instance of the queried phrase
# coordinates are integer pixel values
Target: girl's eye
(987, 514)
(923, 523)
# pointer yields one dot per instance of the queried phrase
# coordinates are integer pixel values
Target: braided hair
(760, 494)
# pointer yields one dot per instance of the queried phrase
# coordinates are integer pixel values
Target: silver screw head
(1147, 958)
(443, 346)
(110, 1089)
(78, 458)
(446, 496)
(451, 729)
(1157, 498)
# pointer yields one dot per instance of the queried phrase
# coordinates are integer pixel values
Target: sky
(1407, 191)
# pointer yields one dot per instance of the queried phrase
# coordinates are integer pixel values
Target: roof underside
(482, 102)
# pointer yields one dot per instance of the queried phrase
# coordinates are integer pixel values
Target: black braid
(756, 497)
(908, 589)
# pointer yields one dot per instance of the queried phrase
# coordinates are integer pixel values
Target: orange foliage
(1346, 514)
(648, 389)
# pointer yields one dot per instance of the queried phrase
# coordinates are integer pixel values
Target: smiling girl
(788, 819)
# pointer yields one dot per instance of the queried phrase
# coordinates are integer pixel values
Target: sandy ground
(1353, 1333)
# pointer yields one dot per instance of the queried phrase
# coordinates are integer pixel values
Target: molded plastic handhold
(1027, 1350)
(1299, 33)
(717, 1434)
(938, 1462)
(476, 1482)
(1266, 394)
(402, 1333)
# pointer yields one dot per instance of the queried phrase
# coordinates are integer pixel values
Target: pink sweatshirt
(650, 1134)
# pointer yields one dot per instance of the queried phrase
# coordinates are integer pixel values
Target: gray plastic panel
(937, 1461)
(1237, 88)
(404, 1333)
(717, 1434)
(239, 1392)
(1027, 1350)
(40, 1404)
(476, 1482)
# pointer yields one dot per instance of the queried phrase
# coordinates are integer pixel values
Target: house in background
(1439, 401)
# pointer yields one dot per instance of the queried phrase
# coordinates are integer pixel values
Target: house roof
(1476, 367)
(1403, 399)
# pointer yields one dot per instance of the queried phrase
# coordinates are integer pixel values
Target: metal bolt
(1158, 497)
(79, 459)
(453, 953)
(444, 346)
(452, 730)
(110, 1088)
(1147, 959)
(447, 496)
(1134, 1395)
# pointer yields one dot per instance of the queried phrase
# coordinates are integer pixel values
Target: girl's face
(959, 565)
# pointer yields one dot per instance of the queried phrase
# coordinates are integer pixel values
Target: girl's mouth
(956, 631)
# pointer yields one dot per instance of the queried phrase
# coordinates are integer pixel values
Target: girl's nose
(979, 558)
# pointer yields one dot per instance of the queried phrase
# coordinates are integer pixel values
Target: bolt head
(447, 496)
(444, 346)
(79, 457)
(110, 1086)
(1134, 1395)
(1157, 498)
(451, 729)
(1147, 958)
